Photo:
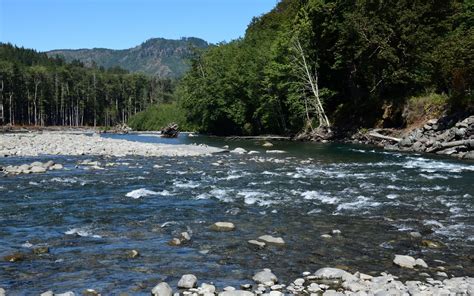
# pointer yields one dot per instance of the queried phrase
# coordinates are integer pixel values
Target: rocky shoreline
(59, 143)
(444, 136)
(325, 281)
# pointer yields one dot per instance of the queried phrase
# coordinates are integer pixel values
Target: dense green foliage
(157, 57)
(157, 117)
(370, 56)
(37, 90)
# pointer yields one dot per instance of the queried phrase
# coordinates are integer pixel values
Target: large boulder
(187, 281)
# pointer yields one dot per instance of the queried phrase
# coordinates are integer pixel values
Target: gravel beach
(59, 143)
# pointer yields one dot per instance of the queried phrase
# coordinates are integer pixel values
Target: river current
(91, 218)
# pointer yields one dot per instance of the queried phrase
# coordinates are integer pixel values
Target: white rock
(326, 236)
(421, 262)
(47, 293)
(229, 288)
(69, 293)
(265, 276)
(272, 240)
(162, 289)
(236, 293)
(56, 166)
(256, 243)
(223, 226)
(185, 236)
(3, 293)
(207, 288)
(38, 170)
(331, 273)
(299, 282)
(275, 151)
(187, 281)
(314, 288)
(404, 261)
(275, 293)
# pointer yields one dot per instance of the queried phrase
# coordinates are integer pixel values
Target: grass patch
(424, 107)
(158, 116)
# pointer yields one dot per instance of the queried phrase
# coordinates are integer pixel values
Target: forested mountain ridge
(158, 56)
(38, 90)
(365, 60)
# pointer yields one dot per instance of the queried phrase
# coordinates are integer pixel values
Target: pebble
(299, 282)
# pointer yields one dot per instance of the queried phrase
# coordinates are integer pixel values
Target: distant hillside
(158, 56)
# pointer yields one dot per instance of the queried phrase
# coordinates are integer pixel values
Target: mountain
(158, 56)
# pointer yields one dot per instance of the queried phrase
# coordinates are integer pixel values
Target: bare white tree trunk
(310, 82)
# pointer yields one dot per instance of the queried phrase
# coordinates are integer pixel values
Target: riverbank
(447, 136)
(61, 143)
(325, 281)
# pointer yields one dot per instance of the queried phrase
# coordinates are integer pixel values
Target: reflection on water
(91, 219)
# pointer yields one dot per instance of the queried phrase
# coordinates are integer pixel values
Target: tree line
(38, 90)
(365, 58)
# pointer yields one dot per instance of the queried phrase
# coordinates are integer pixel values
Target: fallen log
(380, 136)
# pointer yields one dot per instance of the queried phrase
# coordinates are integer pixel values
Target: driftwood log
(170, 131)
(380, 136)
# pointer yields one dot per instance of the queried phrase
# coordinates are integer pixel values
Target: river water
(91, 219)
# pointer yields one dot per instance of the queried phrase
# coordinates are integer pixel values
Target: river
(90, 219)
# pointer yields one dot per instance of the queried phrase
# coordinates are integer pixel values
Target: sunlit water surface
(90, 219)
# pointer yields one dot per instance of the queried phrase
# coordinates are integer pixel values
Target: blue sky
(118, 24)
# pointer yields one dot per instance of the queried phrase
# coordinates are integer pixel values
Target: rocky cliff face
(157, 57)
(443, 136)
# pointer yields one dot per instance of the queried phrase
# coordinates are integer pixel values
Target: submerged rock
(187, 281)
(256, 243)
(16, 257)
(272, 240)
(41, 250)
(223, 226)
(162, 289)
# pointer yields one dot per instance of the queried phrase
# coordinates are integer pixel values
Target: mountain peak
(156, 56)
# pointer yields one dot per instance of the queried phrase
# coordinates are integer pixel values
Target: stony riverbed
(112, 224)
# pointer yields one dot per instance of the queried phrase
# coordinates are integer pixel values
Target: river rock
(2, 292)
(272, 240)
(421, 262)
(68, 293)
(275, 151)
(265, 276)
(415, 234)
(47, 293)
(267, 144)
(133, 254)
(185, 236)
(236, 293)
(162, 289)
(404, 261)
(16, 257)
(38, 169)
(174, 242)
(223, 226)
(56, 167)
(431, 244)
(40, 250)
(328, 273)
(90, 292)
(207, 288)
(256, 243)
(187, 281)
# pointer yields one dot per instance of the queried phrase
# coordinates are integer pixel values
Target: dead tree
(309, 82)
